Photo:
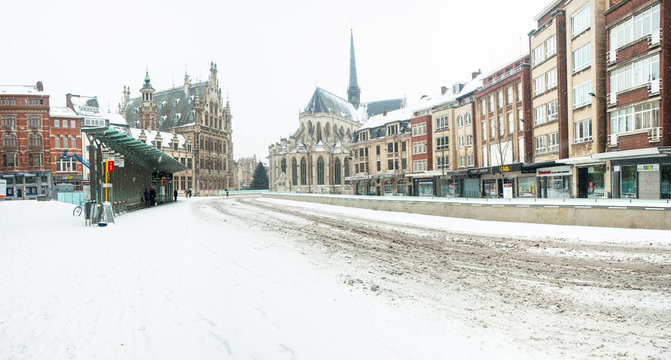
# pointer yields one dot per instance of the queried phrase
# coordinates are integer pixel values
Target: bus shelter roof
(140, 153)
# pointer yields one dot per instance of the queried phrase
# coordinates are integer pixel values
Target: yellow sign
(504, 168)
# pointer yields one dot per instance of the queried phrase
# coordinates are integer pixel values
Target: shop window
(666, 182)
(628, 182)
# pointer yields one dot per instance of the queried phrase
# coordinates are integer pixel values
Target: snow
(20, 90)
(62, 112)
(165, 136)
(185, 281)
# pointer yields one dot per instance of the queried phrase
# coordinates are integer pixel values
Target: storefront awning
(142, 154)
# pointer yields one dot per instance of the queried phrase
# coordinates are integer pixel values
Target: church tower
(353, 91)
(148, 111)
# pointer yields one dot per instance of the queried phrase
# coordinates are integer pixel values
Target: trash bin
(88, 211)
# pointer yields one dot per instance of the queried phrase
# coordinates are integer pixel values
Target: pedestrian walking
(175, 194)
(146, 197)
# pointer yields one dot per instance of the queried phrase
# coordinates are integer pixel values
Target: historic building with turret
(316, 158)
(192, 124)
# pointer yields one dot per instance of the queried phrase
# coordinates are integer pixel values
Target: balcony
(655, 134)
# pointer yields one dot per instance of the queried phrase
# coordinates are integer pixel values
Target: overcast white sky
(270, 54)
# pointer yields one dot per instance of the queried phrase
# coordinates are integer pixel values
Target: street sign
(110, 166)
(3, 188)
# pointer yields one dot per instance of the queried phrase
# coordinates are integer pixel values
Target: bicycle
(77, 211)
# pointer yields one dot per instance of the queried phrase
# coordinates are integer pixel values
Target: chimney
(443, 90)
(475, 74)
(68, 96)
(40, 87)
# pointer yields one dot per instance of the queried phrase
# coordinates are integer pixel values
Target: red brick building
(25, 161)
(639, 97)
(65, 137)
(422, 152)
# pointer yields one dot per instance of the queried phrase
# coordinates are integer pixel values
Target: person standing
(146, 197)
(152, 196)
(175, 192)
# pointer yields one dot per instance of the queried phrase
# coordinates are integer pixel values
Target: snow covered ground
(251, 278)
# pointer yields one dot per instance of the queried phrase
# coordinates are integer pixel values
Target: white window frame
(551, 79)
(582, 131)
(539, 85)
(540, 144)
(581, 21)
(552, 111)
(635, 74)
(550, 46)
(553, 142)
(635, 118)
(539, 115)
(581, 94)
(582, 58)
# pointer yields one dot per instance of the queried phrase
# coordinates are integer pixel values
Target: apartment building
(502, 105)
(25, 148)
(383, 155)
(638, 99)
(66, 141)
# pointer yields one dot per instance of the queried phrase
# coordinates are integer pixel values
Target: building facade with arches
(316, 158)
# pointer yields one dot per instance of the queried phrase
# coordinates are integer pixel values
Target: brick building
(25, 148)
(66, 138)
(638, 98)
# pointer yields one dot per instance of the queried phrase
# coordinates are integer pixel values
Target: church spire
(353, 91)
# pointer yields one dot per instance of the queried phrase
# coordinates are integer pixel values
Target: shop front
(449, 187)
(554, 182)
(423, 186)
(648, 179)
(592, 181)
(27, 185)
(526, 186)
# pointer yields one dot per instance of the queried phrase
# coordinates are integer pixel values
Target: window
(460, 121)
(320, 171)
(9, 160)
(443, 162)
(553, 111)
(583, 131)
(419, 147)
(379, 166)
(509, 99)
(492, 127)
(461, 142)
(553, 142)
(403, 146)
(392, 129)
(57, 142)
(538, 55)
(404, 164)
(582, 58)
(56, 123)
(551, 78)
(502, 126)
(442, 123)
(442, 143)
(34, 160)
(304, 180)
(419, 129)
(520, 117)
(66, 165)
(632, 29)
(356, 168)
(34, 121)
(9, 121)
(471, 159)
(469, 140)
(639, 117)
(73, 123)
(511, 124)
(483, 106)
(551, 46)
(539, 115)
(390, 164)
(539, 85)
(462, 161)
(34, 141)
(500, 95)
(390, 148)
(377, 150)
(540, 144)
(337, 172)
(635, 74)
(419, 165)
(581, 95)
(467, 119)
(65, 123)
(484, 130)
(519, 92)
(9, 142)
(580, 21)
(491, 103)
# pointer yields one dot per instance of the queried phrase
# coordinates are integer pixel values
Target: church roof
(323, 101)
(378, 107)
(175, 108)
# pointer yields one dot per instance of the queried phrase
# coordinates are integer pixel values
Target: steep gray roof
(378, 107)
(323, 101)
(174, 107)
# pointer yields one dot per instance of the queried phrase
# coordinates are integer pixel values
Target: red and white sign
(110, 166)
